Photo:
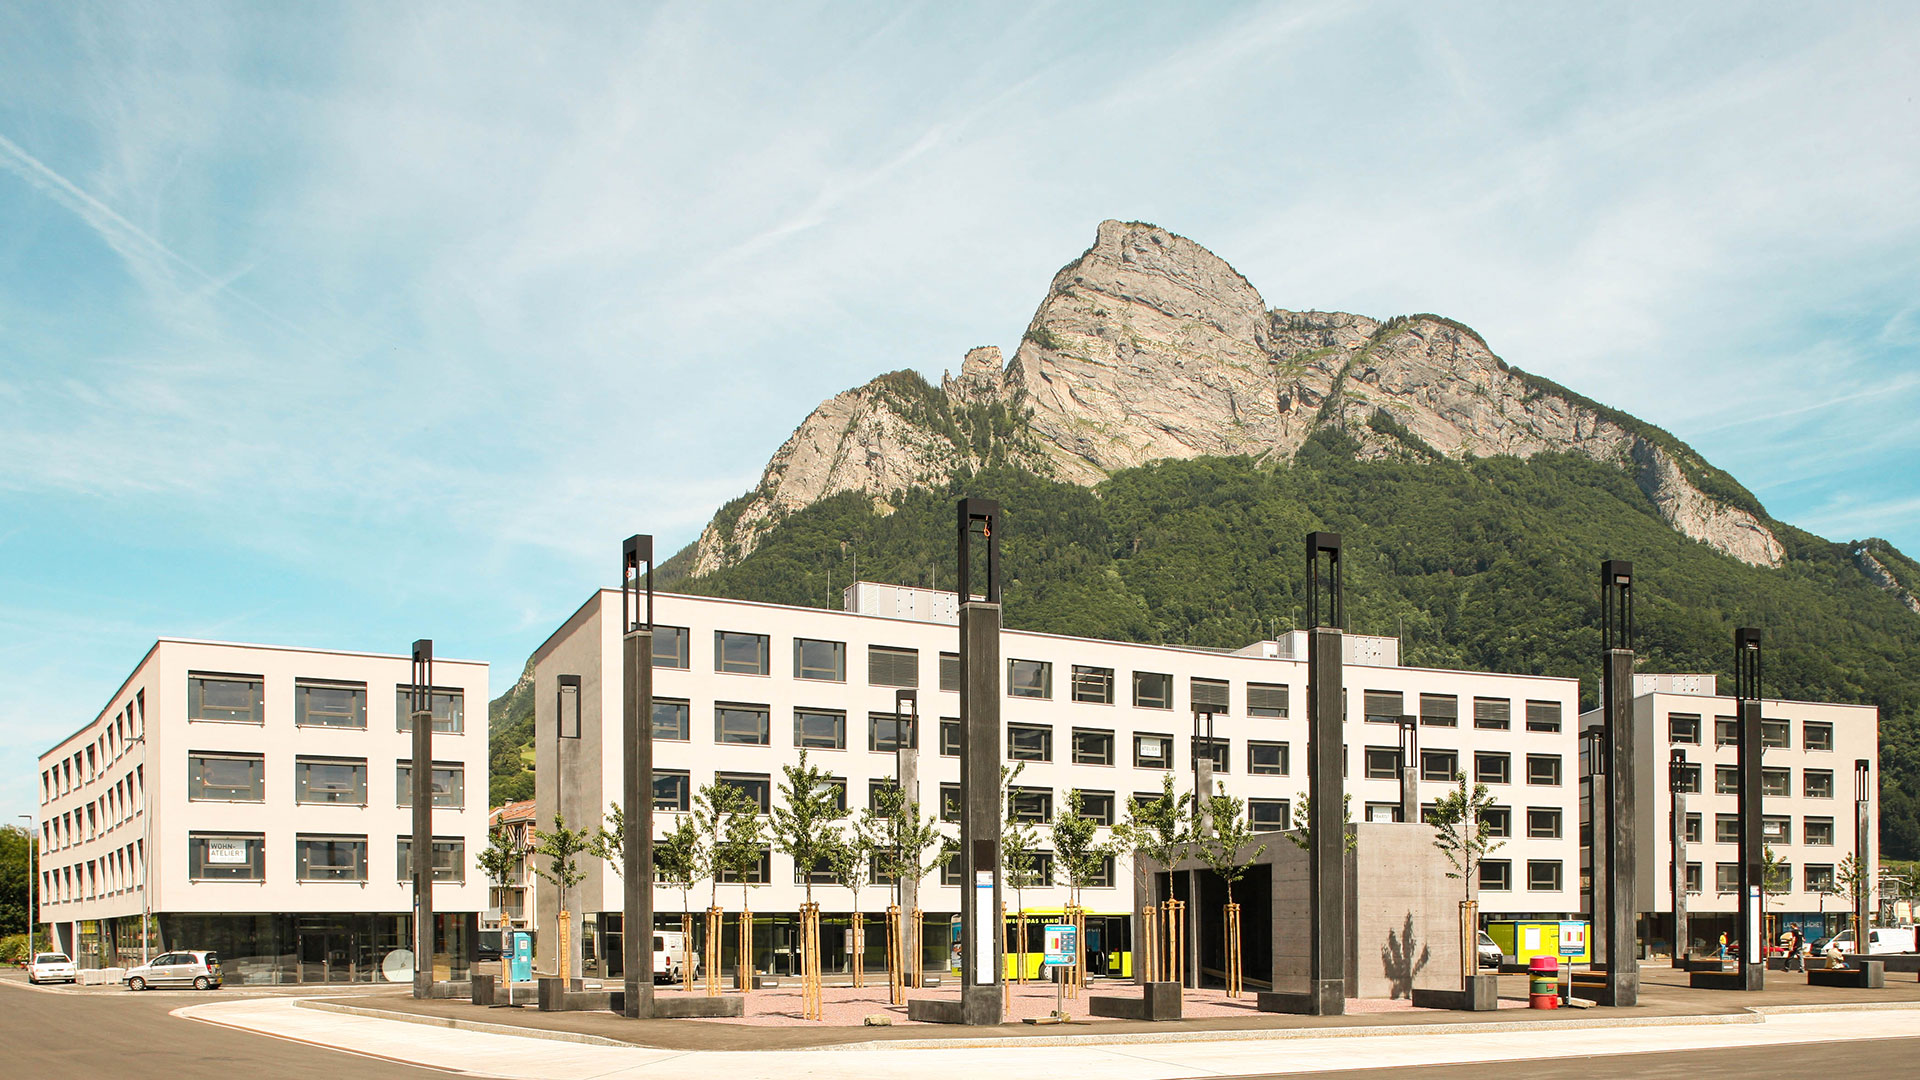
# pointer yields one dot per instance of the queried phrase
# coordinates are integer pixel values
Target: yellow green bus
(1108, 943)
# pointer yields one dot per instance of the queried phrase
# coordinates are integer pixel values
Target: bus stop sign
(1060, 945)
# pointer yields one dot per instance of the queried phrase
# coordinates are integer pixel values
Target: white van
(1880, 939)
(669, 954)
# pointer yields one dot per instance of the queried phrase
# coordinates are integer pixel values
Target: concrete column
(1682, 933)
(1326, 793)
(907, 774)
(1753, 963)
(636, 791)
(981, 930)
(1863, 855)
(422, 783)
(1597, 850)
(1622, 942)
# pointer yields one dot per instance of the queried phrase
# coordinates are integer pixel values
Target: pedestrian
(1797, 950)
(1723, 944)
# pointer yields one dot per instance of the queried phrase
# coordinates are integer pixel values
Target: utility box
(1522, 941)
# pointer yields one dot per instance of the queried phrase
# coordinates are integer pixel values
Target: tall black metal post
(1593, 754)
(1622, 942)
(421, 780)
(1862, 857)
(1746, 691)
(636, 789)
(1679, 779)
(981, 925)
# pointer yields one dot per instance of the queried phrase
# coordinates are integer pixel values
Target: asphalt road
(108, 1034)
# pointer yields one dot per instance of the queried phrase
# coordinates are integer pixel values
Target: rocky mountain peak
(1149, 347)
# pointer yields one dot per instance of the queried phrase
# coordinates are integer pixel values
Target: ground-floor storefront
(775, 941)
(267, 949)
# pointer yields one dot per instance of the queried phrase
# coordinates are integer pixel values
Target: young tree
(680, 858)
(1850, 881)
(905, 845)
(561, 848)
(1223, 846)
(1775, 876)
(1019, 868)
(1078, 854)
(1156, 832)
(716, 807)
(609, 843)
(803, 819)
(1464, 835)
(1302, 834)
(850, 857)
(498, 861)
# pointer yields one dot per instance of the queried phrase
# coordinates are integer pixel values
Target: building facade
(1808, 807)
(741, 688)
(254, 801)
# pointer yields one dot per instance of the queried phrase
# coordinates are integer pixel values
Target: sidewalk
(512, 1057)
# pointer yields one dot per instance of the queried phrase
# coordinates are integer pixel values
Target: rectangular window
(1816, 831)
(950, 672)
(449, 783)
(1690, 779)
(1543, 769)
(1093, 685)
(1496, 875)
(819, 729)
(1101, 876)
(1543, 716)
(1091, 747)
(1696, 828)
(1492, 769)
(1266, 699)
(888, 732)
(1267, 815)
(1726, 731)
(1776, 829)
(1819, 877)
(1029, 678)
(672, 791)
(1267, 758)
(825, 661)
(1030, 804)
(447, 706)
(740, 654)
(893, 667)
(1816, 736)
(1152, 690)
(1726, 780)
(950, 802)
(1726, 828)
(1694, 878)
(672, 720)
(742, 725)
(1494, 714)
(759, 872)
(239, 699)
(1208, 694)
(1439, 710)
(329, 704)
(1029, 742)
(1543, 875)
(330, 780)
(1726, 878)
(1218, 750)
(1383, 706)
(757, 787)
(330, 858)
(951, 872)
(1042, 867)
(1543, 822)
(1776, 734)
(449, 858)
(1442, 765)
(877, 788)
(1776, 782)
(1817, 783)
(226, 857)
(1383, 811)
(1152, 751)
(949, 737)
(1097, 807)
(672, 647)
(226, 778)
(1500, 822)
(1383, 762)
(1683, 728)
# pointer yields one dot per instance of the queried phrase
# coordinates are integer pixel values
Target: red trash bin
(1543, 978)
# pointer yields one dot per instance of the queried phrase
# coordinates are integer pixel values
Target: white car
(51, 967)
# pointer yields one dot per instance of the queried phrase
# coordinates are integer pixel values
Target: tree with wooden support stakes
(850, 860)
(1852, 881)
(1018, 866)
(1464, 834)
(803, 829)
(1156, 832)
(907, 846)
(680, 858)
(562, 848)
(498, 861)
(1080, 858)
(730, 829)
(1223, 847)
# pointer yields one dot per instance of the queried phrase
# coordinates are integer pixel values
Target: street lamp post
(1594, 740)
(146, 857)
(420, 704)
(1862, 769)
(1410, 769)
(1678, 776)
(567, 730)
(33, 871)
(906, 772)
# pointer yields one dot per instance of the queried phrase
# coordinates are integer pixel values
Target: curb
(468, 1025)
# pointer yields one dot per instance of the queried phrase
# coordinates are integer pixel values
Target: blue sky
(345, 325)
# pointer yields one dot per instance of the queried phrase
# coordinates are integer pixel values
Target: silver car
(51, 967)
(200, 970)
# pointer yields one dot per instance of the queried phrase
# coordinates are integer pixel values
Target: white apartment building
(742, 687)
(270, 788)
(1807, 805)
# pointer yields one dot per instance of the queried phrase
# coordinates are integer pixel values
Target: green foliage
(731, 830)
(1488, 564)
(609, 843)
(1076, 852)
(510, 743)
(1463, 833)
(851, 859)
(1018, 839)
(1156, 830)
(562, 849)
(907, 844)
(803, 817)
(1301, 835)
(498, 860)
(13, 948)
(1850, 878)
(19, 862)
(1222, 845)
(681, 857)
(1775, 876)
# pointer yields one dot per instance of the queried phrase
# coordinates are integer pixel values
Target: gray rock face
(1877, 572)
(1149, 346)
